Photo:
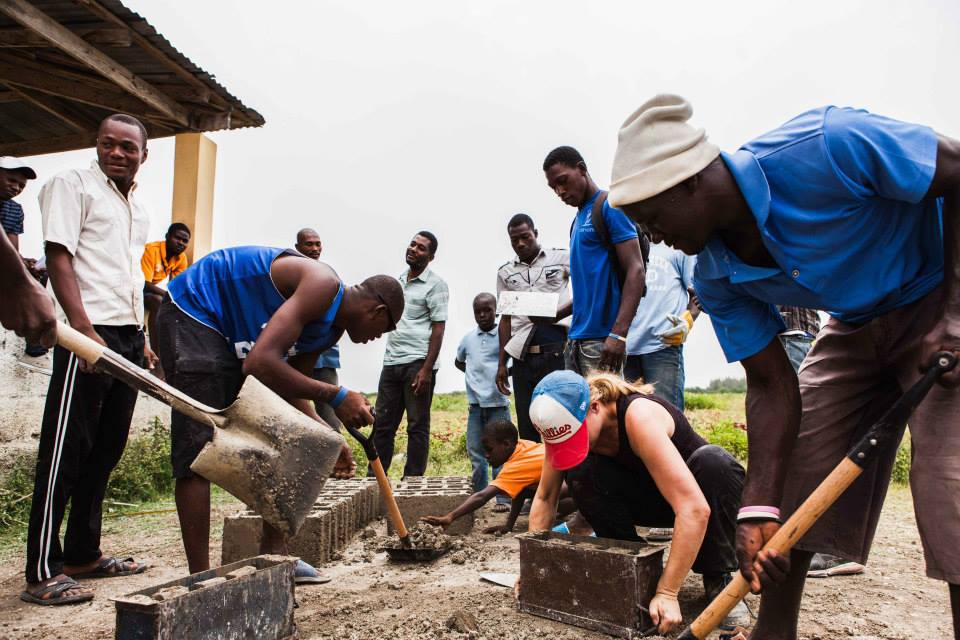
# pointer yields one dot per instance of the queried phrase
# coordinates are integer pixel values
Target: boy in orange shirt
(520, 462)
(161, 260)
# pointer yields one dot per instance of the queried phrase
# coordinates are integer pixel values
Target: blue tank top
(231, 292)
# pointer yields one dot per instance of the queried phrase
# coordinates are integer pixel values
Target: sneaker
(739, 616)
(659, 534)
(303, 573)
(824, 566)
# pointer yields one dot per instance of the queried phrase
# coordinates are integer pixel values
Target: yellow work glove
(676, 335)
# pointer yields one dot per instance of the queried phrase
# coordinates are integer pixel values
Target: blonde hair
(608, 387)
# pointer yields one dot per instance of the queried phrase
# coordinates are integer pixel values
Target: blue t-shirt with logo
(593, 276)
(231, 292)
(840, 198)
(669, 275)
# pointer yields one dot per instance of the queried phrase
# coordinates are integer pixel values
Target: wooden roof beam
(32, 18)
(75, 90)
(24, 38)
(144, 43)
(82, 140)
(49, 104)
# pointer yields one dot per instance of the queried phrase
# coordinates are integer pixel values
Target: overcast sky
(384, 118)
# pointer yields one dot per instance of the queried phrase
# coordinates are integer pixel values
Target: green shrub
(144, 472)
(901, 464)
(694, 401)
(16, 488)
(729, 436)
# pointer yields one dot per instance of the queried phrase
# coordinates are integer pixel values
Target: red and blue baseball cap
(558, 410)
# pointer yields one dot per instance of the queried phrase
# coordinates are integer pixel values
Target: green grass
(695, 401)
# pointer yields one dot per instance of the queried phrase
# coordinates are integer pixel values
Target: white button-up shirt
(549, 272)
(105, 232)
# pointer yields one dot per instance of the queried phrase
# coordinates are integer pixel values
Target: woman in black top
(646, 466)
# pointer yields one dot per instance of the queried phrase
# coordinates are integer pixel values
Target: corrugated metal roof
(53, 97)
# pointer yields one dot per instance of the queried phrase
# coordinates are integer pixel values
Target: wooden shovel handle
(387, 492)
(782, 541)
(114, 364)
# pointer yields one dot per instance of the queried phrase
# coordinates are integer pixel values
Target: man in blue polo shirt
(838, 209)
(607, 276)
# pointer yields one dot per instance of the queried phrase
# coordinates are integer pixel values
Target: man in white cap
(837, 209)
(13, 178)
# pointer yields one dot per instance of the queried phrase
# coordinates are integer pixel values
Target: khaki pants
(850, 377)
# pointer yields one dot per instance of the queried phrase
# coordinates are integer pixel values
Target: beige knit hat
(657, 149)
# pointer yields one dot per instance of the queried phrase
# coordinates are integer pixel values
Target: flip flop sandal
(500, 507)
(303, 573)
(113, 568)
(54, 593)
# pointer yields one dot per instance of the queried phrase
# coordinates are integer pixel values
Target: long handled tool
(886, 432)
(370, 450)
(264, 451)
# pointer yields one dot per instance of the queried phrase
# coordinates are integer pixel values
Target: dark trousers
(394, 396)
(84, 431)
(606, 494)
(526, 374)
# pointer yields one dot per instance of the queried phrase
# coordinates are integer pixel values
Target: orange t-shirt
(522, 469)
(155, 266)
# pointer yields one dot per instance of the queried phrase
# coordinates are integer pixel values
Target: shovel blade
(270, 455)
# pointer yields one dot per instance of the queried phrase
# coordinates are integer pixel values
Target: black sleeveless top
(684, 438)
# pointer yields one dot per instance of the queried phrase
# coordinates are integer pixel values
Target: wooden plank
(108, 37)
(75, 90)
(144, 43)
(50, 104)
(32, 18)
(85, 140)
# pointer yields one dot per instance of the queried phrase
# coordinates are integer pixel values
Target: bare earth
(374, 599)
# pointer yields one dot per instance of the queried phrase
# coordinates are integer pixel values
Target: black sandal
(55, 592)
(113, 568)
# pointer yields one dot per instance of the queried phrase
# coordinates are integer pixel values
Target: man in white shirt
(94, 231)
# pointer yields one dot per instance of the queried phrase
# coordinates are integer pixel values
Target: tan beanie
(657, 149)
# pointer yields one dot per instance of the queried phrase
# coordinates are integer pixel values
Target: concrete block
(315, 542)
(416, 503)
(213, 607)
(241, 537)
(593, 583)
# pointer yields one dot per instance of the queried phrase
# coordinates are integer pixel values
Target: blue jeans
(477, 419)
(797, 348)
(663, 369)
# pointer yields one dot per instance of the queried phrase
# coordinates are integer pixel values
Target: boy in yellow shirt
(161, 260)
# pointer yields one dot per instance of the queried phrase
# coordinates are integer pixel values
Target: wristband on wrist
(338, 399)
(758, 513)
(617, 337)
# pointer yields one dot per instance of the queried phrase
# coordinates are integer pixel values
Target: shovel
(265, 452)
(886, 432)
(370, 450)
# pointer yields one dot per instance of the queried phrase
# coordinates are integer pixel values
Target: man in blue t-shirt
(837, 209)
(662, 323)
(602, 305)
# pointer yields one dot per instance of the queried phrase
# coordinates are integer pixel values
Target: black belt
(553, 347)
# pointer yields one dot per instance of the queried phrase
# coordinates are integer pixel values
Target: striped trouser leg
(56, 467)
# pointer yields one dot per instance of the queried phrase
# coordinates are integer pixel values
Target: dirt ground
(891, 601)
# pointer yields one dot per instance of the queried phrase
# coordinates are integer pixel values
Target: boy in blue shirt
(478, 356)
(602, 305)
(837, 209)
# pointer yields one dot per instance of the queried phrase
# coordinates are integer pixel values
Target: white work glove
(676, 335)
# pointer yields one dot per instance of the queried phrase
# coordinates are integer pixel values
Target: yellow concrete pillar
(194, 174)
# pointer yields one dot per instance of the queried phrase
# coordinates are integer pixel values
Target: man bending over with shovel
(837, 209)
(268, 313)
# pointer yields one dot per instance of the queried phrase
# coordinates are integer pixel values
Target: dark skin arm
(309, 288)
(63, 279)
(504, 329)
(460, 365)
(345, 467)
(31, 316)
(773, 419)
(693, 306)
(469, 505)
(945, 335)
(153, 289)
(628, 255)
(516, 505)
(421, 382)
(14, 240)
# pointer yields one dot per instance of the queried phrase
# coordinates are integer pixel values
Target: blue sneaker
(303, 573)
